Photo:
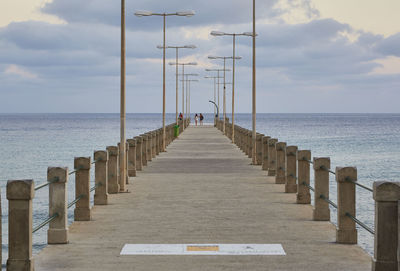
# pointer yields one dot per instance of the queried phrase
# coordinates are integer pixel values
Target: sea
(29, 143)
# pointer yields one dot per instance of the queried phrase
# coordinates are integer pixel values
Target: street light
(164, 15)
(176, 73)
(224, 58)
(188, 92)
(218, 77)
(215, 97)
(219, 33)
(183, 84)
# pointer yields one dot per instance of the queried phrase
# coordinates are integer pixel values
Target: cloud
(15, 70)
(296, 61)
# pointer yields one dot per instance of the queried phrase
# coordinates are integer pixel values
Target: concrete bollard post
(321, 210)
(264, 151)
(20, 194)
(144, 149)
(280, 177)
(346, 232)
(82, 210)
(160, 142)
(101, 178)
(272, 156)
(249, 143)
(148, 147)
(259, 148)
(58, 198)
(386, 196)
(156, 142)
(139, 141)
(291, 169)
(123, 183)
(132, 158)
(113, 168)
(303, 192)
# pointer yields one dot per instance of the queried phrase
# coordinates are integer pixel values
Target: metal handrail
(95, 161)
(328, 201)
(44, 223)
(360, 185)
(52, 180)
(361, 223)
(327, 169)
(309, 161)
(309, 186)
(75, 171)
(75, 201)
(94, 187)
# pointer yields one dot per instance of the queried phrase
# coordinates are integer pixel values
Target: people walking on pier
(180, 116)
(201, 119)
(196, 118)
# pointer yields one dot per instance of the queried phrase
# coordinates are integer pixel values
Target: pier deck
(202, 190)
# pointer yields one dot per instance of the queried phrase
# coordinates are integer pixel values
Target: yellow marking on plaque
(202, 248)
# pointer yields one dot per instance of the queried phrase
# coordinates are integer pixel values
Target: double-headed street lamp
(234, 35)
(215, 83)
(224, 58)
(218, 77)
(183, 84)
(164, 15)
(176, 73)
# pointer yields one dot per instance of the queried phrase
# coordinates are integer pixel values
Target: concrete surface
(202, 190)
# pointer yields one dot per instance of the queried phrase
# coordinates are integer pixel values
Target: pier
(203, 190)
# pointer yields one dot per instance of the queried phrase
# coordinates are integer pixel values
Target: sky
(313, 56)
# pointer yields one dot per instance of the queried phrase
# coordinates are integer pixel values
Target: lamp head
(250, 34)
(171, 63)
(160, 47)
(192, 63)
(142, 13)
(217, 33)
(212, 57)
(188, 13)
(190, 46)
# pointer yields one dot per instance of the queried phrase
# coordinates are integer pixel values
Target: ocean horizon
(31, 142)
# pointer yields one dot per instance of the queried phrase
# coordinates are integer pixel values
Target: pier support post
(280, 177)
(249, 143)
(272, 156)
(303, 192)
(144, 149)
(139, 141)
(259, 148)
(346, 232)
(265, 152)
(58, 198)
(291, 169)
(386, 196)
(321, 210)
(113, 167)
(101, 178)
(132, 158)
(20, 194)
(148, 146)
(82, 210)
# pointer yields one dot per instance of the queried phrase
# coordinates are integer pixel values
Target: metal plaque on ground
(202, 249)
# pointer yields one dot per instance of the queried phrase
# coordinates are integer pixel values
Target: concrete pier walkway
(202, 190)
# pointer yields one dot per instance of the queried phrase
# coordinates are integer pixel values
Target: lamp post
(176, 73)
(215, 83)
(234, 35)
(188, 92)
(183, 84)
(218, 77)
(254, 86)
(187, 89)
(122, 150)
(164, 15)
(224, 58)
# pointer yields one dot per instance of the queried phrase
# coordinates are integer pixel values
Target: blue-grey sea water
(30, 143)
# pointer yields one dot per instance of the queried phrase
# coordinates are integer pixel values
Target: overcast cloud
(314, 65)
